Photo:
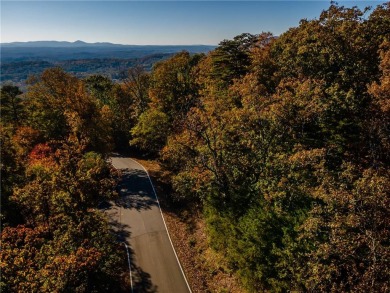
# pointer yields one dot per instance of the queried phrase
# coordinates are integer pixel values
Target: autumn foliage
(286, 150)
(54, 175)
(281, 142)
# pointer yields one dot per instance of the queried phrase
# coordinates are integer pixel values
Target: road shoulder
(206, 270)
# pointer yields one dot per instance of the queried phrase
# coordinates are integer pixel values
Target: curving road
(137, 219)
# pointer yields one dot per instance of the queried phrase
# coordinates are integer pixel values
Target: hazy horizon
(153, 23)
(103, 42)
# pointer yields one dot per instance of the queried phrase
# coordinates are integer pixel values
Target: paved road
(137, 219)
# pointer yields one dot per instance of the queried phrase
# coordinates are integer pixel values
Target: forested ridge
(18, 72)
(282, 143)
(19, 60)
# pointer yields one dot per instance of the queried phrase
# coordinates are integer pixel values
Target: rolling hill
(21, 59)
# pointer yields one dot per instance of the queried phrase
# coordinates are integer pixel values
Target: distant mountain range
(56, 44)
(21, 59)
(63, 44)
(54, 50)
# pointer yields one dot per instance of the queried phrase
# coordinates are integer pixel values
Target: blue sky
(153, 22)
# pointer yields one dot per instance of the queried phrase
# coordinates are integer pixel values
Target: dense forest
(18, 72)
(282, 143)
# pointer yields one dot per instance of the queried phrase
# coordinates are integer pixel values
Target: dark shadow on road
(141, 280)
(133, 153)
(135, 191)
(122, 231)
(117, 155)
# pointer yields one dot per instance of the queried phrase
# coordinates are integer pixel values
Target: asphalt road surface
(137, 219)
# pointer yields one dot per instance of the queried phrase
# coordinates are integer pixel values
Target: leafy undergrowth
(205, 269)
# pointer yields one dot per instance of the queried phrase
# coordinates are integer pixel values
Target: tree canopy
(282, 143)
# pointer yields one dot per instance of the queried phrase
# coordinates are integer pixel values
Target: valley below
(21, 60)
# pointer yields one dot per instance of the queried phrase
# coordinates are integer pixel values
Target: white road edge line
(165, 224)
(128, 260)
